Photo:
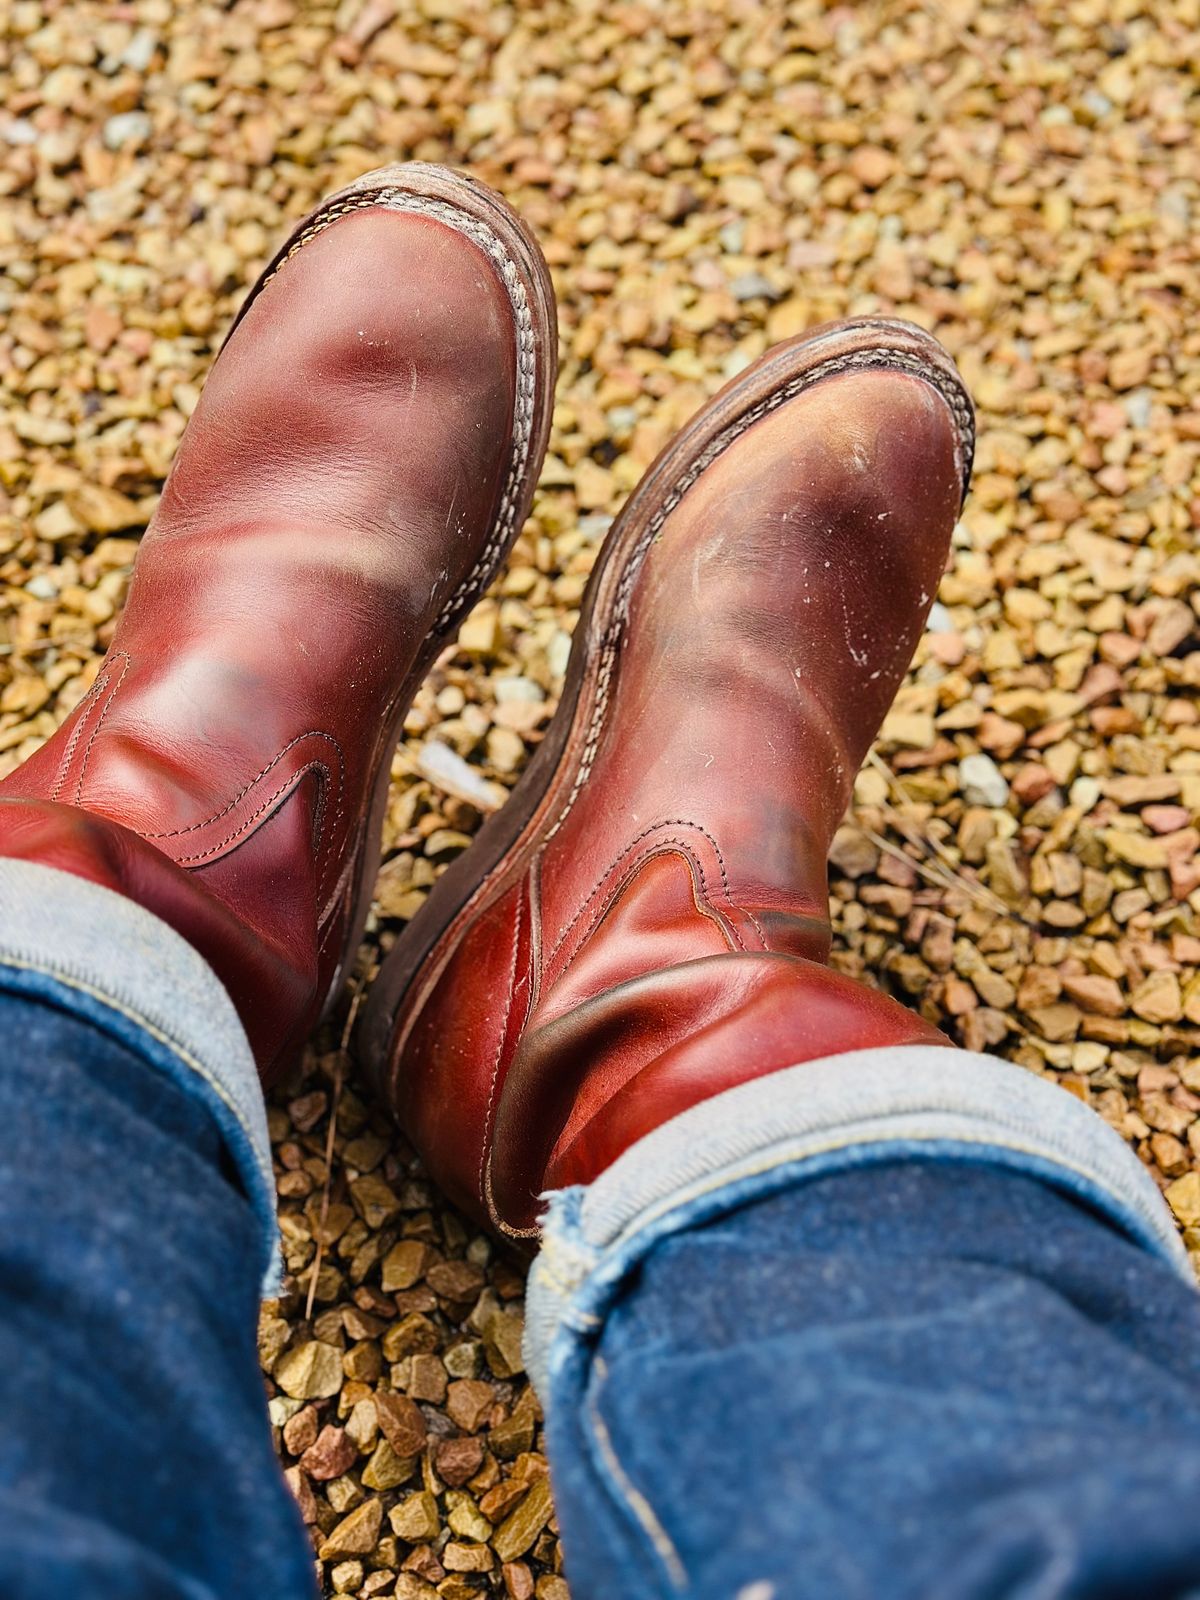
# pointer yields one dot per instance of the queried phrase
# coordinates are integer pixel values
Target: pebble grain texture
(1021, 860)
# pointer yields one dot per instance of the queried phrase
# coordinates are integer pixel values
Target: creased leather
(337, 483)
(680, 910)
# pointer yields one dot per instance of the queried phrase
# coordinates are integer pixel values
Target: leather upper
(336, 487)
(668, 938)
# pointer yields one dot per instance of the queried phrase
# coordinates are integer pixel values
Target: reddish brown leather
(336, 485)
(264, 979)
(668, 939)
(628, 1059)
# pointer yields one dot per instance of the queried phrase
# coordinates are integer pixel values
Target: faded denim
(902, 1325)
(108, 960)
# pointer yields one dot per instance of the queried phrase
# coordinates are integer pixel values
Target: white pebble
(981, 782)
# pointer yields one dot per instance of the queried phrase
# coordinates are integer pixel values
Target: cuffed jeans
(906, 1323)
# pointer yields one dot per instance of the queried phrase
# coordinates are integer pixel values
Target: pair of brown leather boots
(645, 923)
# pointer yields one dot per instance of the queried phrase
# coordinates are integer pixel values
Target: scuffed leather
(669, 940)
(336, 484)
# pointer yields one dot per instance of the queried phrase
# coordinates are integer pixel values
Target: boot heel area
(441, 1057)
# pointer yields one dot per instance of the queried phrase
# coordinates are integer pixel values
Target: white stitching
(636, 1503)
(395, 199)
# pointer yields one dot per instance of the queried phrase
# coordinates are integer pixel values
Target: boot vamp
(769, 628)
(363, 407)
(335, 486)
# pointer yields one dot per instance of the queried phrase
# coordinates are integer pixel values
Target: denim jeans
(135, 1454)
(897, 1324)
(914, 1379)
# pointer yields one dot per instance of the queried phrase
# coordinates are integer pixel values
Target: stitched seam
(507, 1229)
(288, 786)
(334, 831)
(142, 1021)
(568, 1277)
(665, 846)
(87, 749)
(320, 837)
(674, 822)
(391, 198)
(533, 887)
(671, 822)
(945, 385)
(194, 827)
(330, 925)
(551, 1276)
(336, 901)
(102, 684)
(635, 1502)
(83, 711)
(729, 900)
(583, 1320)
(668, 846)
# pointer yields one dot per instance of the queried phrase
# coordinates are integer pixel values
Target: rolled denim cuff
(103, 958)
(810, 1121)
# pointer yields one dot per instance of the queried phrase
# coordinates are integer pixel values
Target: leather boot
(362, 456)
(645, 924)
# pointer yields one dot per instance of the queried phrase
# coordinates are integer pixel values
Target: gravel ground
(1021, 861)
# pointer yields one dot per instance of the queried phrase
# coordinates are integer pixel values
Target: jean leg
(911, 1380)
(902, 1324)
(906, 1381)
(135, 1456)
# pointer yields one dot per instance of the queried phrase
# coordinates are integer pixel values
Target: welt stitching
(87, 749)
(194, 827)
(391, 198)
(289, 783)
(946, 384)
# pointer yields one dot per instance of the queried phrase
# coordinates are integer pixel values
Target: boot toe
(386, 336)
